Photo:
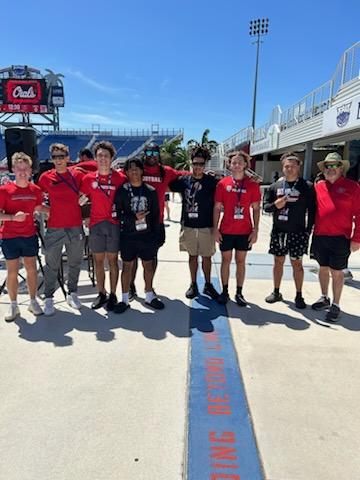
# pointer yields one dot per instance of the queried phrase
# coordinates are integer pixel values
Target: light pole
(258, 28)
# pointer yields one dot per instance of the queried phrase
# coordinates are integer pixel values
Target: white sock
(149, 296)
(336, 304)
(14, 303)
(125, 298)
(323, 295)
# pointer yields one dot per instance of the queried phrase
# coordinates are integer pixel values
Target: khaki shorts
(197, 241)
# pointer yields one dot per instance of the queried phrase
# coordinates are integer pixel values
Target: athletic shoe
(223, 298)
(112, 301)
(192, 291)
(12, 313)
(155, 303)
(347, 274)
(35, 308)
(210, 291)
(333, 314)
(274, 297)
(99, 301)
(321, 304)
(132, 292)
(300, 302)
(73, 301)
(240, 300)
(121, 307)
(49, 307)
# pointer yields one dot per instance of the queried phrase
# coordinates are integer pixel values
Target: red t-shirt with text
(237, 193)
(152, 177)
(63, 190)
(101, 193)
(15, 199)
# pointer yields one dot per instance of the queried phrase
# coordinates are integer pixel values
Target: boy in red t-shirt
(18, 202)
(236, 196)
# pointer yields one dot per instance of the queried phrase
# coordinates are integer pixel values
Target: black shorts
(131, 248)
(20, 247)
(331, 252)
(294, 243)
(237, 242)
(161, 239)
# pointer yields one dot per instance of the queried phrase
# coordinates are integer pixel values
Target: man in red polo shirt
(337, 229)
(236, 196)
(64, 227)
(104, 240)
(18, 201)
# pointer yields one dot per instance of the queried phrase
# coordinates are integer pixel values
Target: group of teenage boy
(127, 215)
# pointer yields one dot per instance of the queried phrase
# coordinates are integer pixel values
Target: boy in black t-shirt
(291, 199)
(196, 236)
(137, 208)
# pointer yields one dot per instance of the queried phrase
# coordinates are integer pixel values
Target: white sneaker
(49, 307)
(12, 313)
(35, 308)
(73, 300)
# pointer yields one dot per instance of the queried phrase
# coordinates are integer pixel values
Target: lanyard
(72, 185)
(238, 190)
(138, 197)
(292, 188)
(108, 192)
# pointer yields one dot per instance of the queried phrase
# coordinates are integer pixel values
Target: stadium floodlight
(258, 28)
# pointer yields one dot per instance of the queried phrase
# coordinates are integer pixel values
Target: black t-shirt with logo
(298, 215)
(197, 199)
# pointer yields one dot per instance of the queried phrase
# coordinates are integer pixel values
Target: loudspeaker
(21, 139)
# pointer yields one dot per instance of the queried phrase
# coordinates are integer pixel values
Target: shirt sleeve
(256, 194)
(172, 174)
(219, 193)
(42, 183)
(2, 198)
(85, 185)
(269, 199)
(39, 196)
(356, 210)
(177, 185)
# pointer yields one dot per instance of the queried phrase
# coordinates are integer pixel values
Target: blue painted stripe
(221, 443)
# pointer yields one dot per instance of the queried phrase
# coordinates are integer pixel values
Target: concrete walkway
(97, 396)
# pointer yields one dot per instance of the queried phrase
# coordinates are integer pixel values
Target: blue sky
(181, 64)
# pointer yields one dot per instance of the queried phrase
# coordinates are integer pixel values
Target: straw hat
(334, 157)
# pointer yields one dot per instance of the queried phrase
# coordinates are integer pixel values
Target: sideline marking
(221, 443)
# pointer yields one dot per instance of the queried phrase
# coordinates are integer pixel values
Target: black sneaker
(132, 292)
(321, 304)
(210, 291)
(223, 298)
(300, 302)
(156, 303)
(333, 314)
(99, 301)
(192, 291)
(121, 307)
(274, 297)
(240, 300)
(112, 301)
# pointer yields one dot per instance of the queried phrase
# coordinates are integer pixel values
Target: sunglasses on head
(58, 157)
(198, 164)
(151, 153)
(329, 166)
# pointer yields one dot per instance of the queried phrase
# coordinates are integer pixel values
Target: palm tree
(171, 151)
(205, 142)
(183, 159)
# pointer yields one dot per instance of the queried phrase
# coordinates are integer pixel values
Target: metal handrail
(118, 132)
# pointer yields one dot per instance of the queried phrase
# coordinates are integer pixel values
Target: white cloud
(99, 86)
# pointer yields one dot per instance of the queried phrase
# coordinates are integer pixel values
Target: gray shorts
(104, 237)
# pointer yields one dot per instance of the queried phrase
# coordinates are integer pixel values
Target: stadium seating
(74, 142)
(2, 148)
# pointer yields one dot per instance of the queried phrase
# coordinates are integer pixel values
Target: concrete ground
(100, 396)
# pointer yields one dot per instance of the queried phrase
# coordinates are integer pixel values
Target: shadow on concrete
(203, 312)
(353, 284)
(255, 315)
(350, 322)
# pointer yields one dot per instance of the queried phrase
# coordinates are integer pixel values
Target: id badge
(113, 212)
(140, 225)
(193, 215)
(239, 213)
(284, 215)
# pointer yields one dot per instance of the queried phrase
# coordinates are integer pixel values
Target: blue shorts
(20, 247)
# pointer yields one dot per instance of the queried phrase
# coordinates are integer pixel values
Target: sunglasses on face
(58, 157)
(332, 166)
(151, 153)
(198, 164)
